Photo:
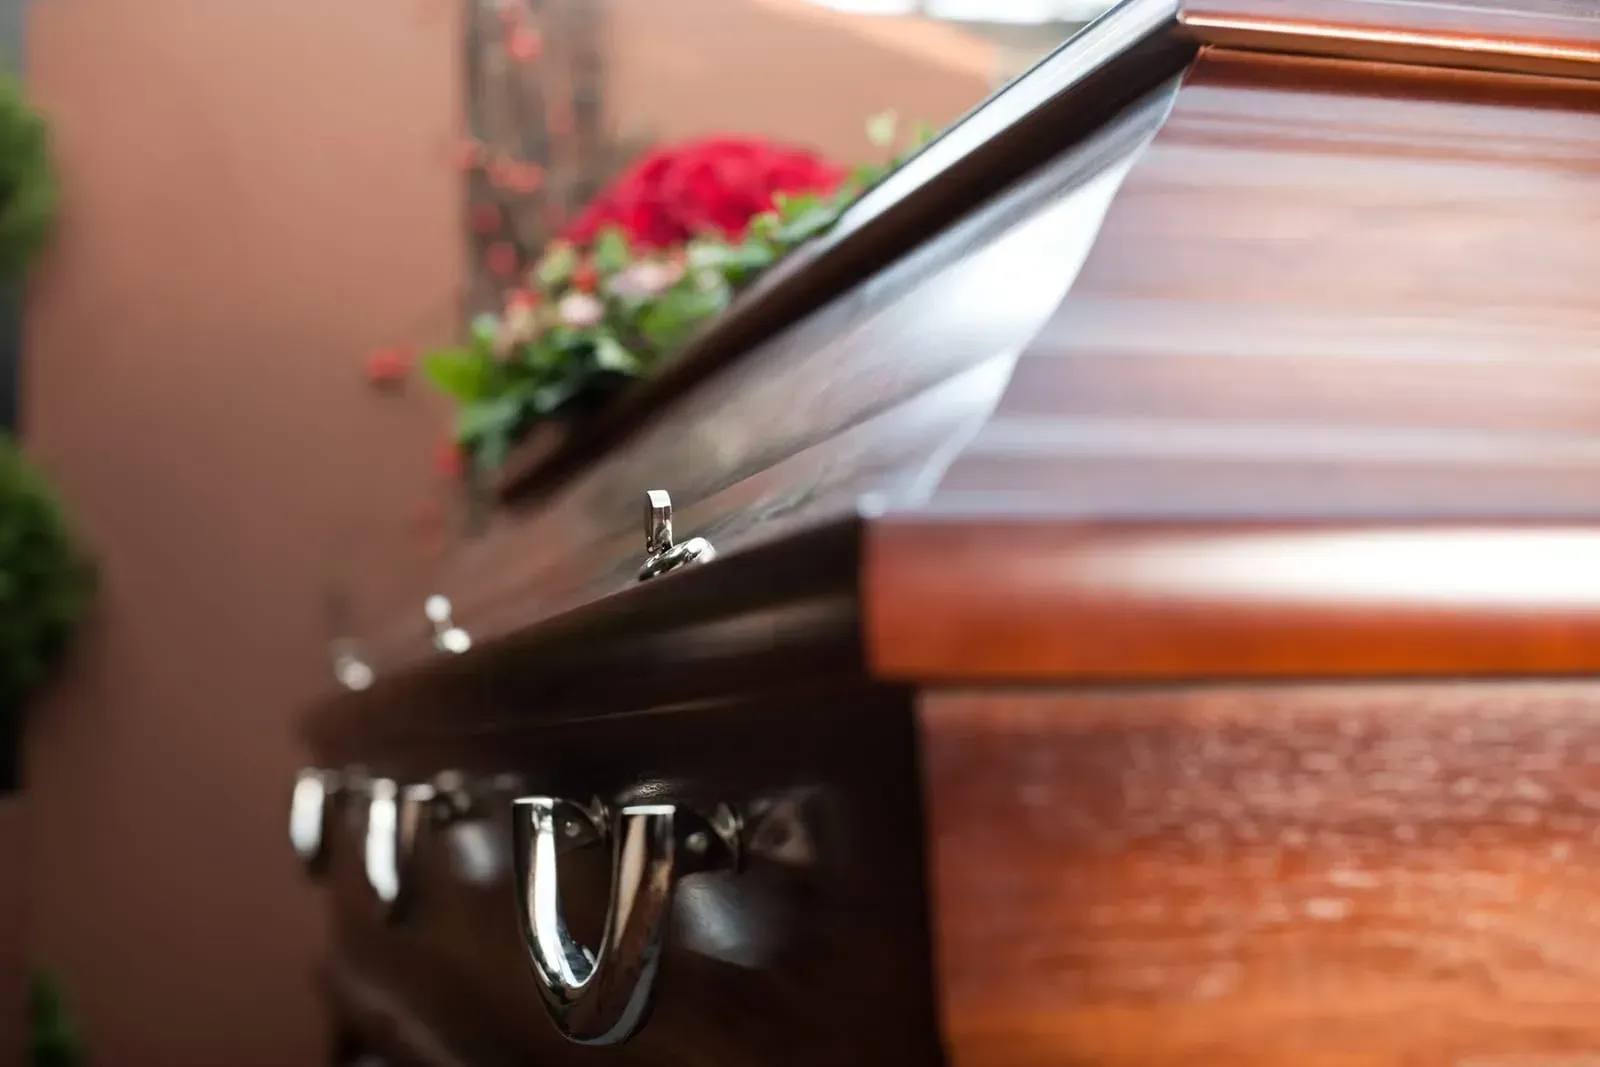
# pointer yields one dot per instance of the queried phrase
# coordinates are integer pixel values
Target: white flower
(647, 277)
(580, 309)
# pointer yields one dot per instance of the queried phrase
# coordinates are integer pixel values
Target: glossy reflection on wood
(1549, 37)
(815, 952)
(1364, 874)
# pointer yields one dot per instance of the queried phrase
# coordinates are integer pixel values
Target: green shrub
(28, 189)
(28, 181)
(54, 1034)
(45, 583)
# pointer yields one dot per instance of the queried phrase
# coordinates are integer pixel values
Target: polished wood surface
(1545, 37)
(1274, 401)
(1336, 312)
(1159, 601)
(815, 952)
(745, 463)
(1372, 874)
(1327, 289)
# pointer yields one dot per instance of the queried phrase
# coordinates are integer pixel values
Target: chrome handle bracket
(662, 554)
(603, 997)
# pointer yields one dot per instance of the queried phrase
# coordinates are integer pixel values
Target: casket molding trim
(1484, 45)
(970, 598)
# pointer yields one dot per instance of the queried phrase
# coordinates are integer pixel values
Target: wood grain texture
(1326, 289)
(1369, 875)
(1336, 310)
(1559, 38)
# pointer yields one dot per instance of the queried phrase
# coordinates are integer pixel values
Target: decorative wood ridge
(1386, 31)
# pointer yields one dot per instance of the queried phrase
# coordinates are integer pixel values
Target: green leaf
(734, 262)
(674, 318)
(792, 207)
(612, 355)
(922, 134)
(611, 251)
(483, 419)
(557, 264)
(816, 219)
(881, 128)
(464, 373)
(485, 329)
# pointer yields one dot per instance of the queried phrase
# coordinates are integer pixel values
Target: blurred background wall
(255, 193)
(258, 193)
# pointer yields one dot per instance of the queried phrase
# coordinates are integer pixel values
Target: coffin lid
(919, 463)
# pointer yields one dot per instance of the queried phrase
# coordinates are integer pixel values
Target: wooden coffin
(1153, 619)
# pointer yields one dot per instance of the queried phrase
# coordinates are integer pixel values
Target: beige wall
(255, 192)
(786, 68)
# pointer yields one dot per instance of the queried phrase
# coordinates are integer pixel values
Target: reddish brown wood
(1550, 37)
(1328, 288)
(1312, 875)
(1040, 600)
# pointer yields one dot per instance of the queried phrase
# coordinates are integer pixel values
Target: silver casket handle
(396, 815)
(602, 997)
(310, 810)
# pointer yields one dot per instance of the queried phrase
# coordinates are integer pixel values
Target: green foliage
(28, 190)
(591, 320)
(45, 582)
(54, 1035)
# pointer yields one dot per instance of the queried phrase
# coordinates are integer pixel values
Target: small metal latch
(663, 555)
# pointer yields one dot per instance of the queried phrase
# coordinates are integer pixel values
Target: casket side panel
(1375, 874)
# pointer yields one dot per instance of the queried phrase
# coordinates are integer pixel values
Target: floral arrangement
(28, 190)
(644, 266)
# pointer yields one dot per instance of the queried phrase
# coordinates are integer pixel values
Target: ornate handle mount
(663, 554)
(602, 997)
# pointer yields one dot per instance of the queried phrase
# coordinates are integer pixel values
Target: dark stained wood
(1558, 38)
(746, 463)
(1310, 875)
(816, 952)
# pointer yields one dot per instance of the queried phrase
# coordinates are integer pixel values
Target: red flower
(388, 366)
(586, 279)
(716, 185)
(500, 259)
(525, 45)
(521, 300)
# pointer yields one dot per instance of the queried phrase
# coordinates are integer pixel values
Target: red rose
(387, 366)
(712, 186)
